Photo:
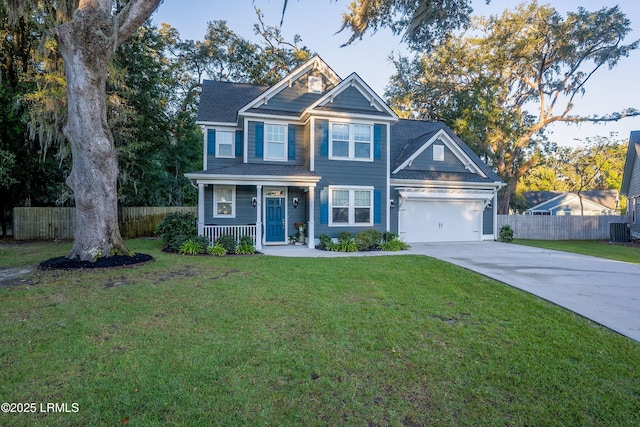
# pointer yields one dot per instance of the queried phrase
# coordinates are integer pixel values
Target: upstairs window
(275, 142)
(224, 144)
(351, 141)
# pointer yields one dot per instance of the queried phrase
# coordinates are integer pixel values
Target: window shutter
(377, 206)
(239, 143)
(211, 142)
(292, 142)
(259, 139)
(324, 206)
(324, 139)
(377, 144)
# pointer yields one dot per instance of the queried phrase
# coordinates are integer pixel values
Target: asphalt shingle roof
(220, 101)
(407, 136)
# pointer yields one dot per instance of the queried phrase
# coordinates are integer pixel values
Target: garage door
(440, 221)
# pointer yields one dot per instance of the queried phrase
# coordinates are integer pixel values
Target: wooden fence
(59, 223)
(549, 227)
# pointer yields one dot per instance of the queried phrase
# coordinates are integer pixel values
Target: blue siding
(245, 213)
(297, 97)
(487, 220)
(349, 173)
(425, 162)
(351, 98)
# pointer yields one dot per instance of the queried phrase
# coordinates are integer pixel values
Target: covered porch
(264, 207)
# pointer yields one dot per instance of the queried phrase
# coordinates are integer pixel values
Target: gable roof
(220, 101)
(312, 64)
(355, 81)
(410, 137)
(633, 155)
(541, 200)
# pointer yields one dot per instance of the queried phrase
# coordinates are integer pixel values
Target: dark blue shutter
(377, 145)
(292, 142)
(259, 139)
(211, 142)
(377, 206)
(239, 143)
(324, 206)
(324, 139)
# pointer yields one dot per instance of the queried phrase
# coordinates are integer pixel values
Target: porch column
(311, 223)
(200, 209)
(495, 215)
(259, 218)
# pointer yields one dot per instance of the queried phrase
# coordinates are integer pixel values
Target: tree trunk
(86, 44)
(504, 198)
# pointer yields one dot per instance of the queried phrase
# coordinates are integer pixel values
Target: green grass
(258, 340)
(597, 248)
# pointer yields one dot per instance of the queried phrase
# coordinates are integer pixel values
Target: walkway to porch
(305, 252)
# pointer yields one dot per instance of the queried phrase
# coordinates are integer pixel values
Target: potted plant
(301, 226)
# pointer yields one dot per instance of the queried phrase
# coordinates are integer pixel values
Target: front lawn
(258, 340)
(597, 248)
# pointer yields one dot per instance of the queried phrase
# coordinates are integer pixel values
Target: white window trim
(233, 140)
(352, 190)
(286, 142)
(215, 201)
(352, 149)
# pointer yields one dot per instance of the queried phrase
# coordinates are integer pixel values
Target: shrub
(388, 236)
(228, 242)
(246, 240)
(368, 240)
(325, 241)
(344, 236)
(347, 246)
(191, 247)
(176, 228)
(245, 249)
(394, 245)
(506, 234)
(217, 250)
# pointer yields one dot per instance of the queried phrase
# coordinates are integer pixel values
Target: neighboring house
(594, 202)
(328, 152)
(631, 182)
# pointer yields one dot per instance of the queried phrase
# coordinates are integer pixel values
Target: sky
(317, 22)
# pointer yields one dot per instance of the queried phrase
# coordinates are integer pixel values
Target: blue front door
(275, 219)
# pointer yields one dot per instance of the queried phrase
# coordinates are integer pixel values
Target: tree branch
(132, 16)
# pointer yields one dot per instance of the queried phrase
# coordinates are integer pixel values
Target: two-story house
(330, 153)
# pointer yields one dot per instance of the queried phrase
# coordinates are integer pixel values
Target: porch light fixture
(295, 202)
(254, 202)
(392, 204)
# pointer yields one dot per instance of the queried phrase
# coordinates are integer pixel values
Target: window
(275, 142)
(351, 141)
(438, 153)
(224, 202)
(351, 206)
(224, 144)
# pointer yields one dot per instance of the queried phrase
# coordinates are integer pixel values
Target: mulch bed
(63, 263)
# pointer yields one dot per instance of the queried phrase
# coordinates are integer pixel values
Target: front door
(275, 219)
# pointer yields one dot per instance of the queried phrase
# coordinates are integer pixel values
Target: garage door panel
(440, 221)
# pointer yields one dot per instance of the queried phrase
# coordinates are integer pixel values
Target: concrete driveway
(607, 292)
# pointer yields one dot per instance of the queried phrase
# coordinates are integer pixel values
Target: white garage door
(440, 221)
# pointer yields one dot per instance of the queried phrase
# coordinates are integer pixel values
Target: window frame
(351, 156)
(232, 144)
(267, 142)
(351, 206)
(217, 188)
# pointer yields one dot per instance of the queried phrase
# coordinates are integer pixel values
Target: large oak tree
(87, 34)
(500, 85)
